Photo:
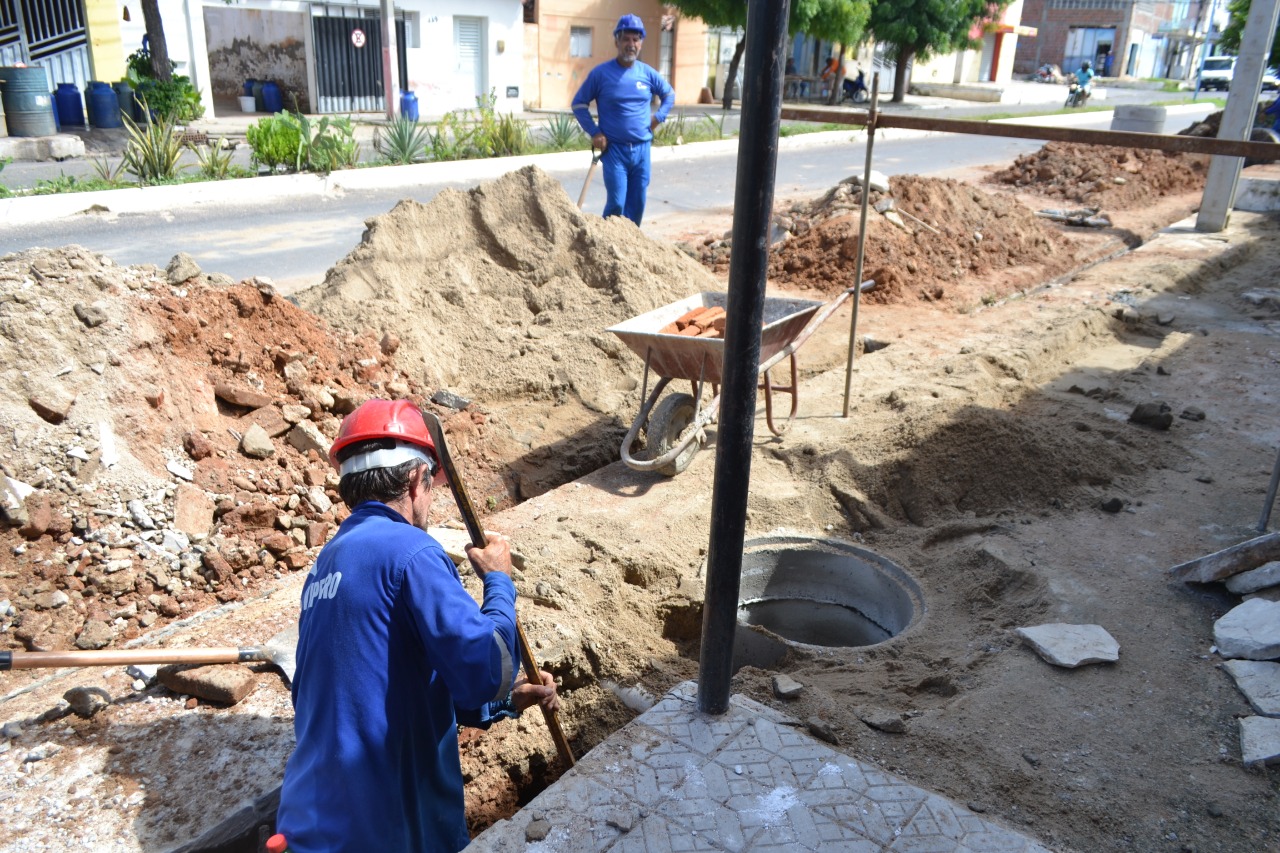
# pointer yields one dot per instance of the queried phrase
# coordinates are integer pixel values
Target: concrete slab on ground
(750, 779)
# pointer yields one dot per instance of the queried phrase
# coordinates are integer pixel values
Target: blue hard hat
(629, 22)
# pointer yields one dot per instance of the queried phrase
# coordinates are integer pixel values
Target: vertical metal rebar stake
(862, 241)
(1271, 496)
(766, 53)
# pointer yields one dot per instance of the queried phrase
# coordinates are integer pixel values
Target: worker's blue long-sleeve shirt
(390, 644)
(623, 97)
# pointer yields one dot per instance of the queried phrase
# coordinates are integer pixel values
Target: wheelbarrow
(675, 428)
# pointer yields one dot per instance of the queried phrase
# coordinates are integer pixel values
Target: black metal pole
(766, 53)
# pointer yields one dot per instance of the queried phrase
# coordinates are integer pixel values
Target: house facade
(564, 40)
(1122, 38)
(992, 62)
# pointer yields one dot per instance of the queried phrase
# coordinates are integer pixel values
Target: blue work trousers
(626, 179)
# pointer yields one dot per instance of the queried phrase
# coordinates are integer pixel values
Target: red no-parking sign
(357, 37)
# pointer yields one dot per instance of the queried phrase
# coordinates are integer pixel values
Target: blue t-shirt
(389, 644)
(623, 98)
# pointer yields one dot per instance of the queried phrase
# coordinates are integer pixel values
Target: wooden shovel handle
(476, 532)
(116, 657)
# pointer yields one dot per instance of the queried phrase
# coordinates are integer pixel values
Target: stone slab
(1250, 630)
(1259, 681)
(747, 781)
(1259, 740)
(1071, 645)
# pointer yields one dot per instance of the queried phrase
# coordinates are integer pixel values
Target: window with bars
(580, 42)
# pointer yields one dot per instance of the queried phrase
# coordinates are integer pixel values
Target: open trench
(968, 428)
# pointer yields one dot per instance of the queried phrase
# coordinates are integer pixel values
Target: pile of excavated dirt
(1104, 176)
(941, 241)
(502, 294)
(131, 499)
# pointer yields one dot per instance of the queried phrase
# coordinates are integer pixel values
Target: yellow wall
(559, 75)
(106, 51)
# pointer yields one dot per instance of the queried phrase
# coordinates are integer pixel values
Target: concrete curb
(248, 191)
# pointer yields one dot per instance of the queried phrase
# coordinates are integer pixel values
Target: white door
(468, 47)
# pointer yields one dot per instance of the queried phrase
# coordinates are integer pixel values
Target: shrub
(276, 142)
(403, 141)
(153, 150)
(564, 134)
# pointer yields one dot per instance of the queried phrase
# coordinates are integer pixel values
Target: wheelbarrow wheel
(670, 418)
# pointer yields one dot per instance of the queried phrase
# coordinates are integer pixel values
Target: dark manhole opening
(802, 592)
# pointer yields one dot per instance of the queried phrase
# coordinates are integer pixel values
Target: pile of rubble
(164, 437)
(923, 236)
(1105, 176)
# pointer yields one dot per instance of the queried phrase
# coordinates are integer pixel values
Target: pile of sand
(504, 292)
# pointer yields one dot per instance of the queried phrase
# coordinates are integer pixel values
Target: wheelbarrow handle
(817, 320)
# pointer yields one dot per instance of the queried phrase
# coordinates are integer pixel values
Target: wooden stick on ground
(1229, 561)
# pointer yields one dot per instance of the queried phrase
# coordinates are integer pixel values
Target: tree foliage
(831, 20)
(919, 29)
(1234, 30)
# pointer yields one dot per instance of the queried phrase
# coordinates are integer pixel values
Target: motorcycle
(856, 90)
(1076, 94)
(1048, 73)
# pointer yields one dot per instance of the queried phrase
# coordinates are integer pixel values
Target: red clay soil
(1105, 176)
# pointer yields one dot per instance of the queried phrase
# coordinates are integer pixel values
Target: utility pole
(390, 59)
(1238, 117)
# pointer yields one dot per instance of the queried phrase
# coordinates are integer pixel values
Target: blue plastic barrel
(247, 90)
(28, 104)
(272, 98)
(70, 107)
(106, 107)
(91, 117)
(409, 106)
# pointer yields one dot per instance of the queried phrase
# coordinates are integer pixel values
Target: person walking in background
(623, 90)
(393, 655)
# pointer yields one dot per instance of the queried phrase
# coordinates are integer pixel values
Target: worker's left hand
(653, 123)
(527, 694)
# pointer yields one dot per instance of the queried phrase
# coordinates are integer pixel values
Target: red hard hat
(394, 419)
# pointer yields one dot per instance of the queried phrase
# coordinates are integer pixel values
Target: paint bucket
(246, 103)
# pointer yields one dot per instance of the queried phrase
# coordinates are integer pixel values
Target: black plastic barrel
(124, 98)
(28, 105)
(258, 105)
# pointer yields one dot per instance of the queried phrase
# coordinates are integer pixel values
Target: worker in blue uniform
(623, 90)
(393, 654)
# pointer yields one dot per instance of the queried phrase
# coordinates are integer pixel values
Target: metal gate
(50, 33)
(349, 63)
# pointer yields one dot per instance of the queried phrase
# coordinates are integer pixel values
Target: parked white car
(1217, 72)
(1270, 80)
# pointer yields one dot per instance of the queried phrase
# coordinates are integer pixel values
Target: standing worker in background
(393, 654)
(623, 90)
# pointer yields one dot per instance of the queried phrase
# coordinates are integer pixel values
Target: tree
(918, 29)
(1230, 39)
(832, 20)
(161, 67)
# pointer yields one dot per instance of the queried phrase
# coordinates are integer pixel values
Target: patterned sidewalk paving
(748, 780)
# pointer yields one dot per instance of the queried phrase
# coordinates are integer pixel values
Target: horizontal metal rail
(1121, 138)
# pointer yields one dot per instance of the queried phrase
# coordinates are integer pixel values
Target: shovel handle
(476, 532)
(44, 660)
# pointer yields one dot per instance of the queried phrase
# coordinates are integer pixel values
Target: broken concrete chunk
(52, 403)
(1268, 574)
(95, 634)
(182, 267)
(226, 683)
(786, 687)
(1259, 740)
(878, 181)
(819, 729)
(1071, 645)
(90, 315)
(272, 420)
(238, 395)
(1250, 631)
(450, 400)
(537, 830)
(87, 701)
(884, 721)
(293, 414)
(307, 436)
(138, 513)
(1191, 413)
(1259, 681)
(256, 444)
